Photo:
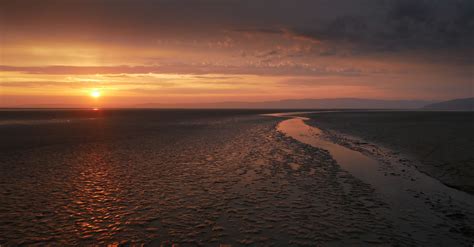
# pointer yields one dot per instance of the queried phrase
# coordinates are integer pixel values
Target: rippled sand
(230, 180)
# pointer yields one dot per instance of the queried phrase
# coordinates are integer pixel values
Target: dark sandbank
(441, 141)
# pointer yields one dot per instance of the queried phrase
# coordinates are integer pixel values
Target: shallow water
(412, 213)
(437, 143)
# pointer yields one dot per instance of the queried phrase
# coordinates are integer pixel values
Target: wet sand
(210, 179)
(428, 217)
(437, 143)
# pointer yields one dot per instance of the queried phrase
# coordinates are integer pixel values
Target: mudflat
(442, 142)
(190, 178)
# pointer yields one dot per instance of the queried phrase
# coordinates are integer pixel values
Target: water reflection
(392, 188)
(96, 205)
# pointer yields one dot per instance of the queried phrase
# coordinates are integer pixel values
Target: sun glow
(95, 93)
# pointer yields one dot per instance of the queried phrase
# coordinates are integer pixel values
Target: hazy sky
(171, 51)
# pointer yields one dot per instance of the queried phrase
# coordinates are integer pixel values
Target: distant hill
(338, 103)
(466, 104)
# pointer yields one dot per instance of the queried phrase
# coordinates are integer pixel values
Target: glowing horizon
(54, 56)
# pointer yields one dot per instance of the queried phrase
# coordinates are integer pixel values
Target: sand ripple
(236, 182)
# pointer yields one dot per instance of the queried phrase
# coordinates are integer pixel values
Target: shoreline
(404, 187)
(438, 143)
(384, 154)
(376, 150)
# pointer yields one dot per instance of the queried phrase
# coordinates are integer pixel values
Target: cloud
(344, 26)
(264, 30)
(195, 91)
(33, 84)
(251, 40)
(399, 25)
(272, 69)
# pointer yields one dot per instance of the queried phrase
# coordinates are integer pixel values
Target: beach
(438, 143)
(189, 178)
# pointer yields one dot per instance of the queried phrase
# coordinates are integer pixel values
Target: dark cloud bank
(378, 25)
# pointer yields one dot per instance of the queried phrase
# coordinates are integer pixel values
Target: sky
(61, 52)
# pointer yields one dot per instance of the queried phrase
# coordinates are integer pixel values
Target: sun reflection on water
(96, 203)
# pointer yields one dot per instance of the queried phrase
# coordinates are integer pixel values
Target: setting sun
(237, 122)
(95, 94)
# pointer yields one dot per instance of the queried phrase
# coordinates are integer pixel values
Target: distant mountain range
(466, 104)
(338, 103)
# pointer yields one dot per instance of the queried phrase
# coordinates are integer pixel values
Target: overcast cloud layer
(424, 48)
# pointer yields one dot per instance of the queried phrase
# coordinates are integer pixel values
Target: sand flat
(202, 178)
(400, 186)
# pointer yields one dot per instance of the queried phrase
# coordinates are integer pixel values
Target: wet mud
(231, 180)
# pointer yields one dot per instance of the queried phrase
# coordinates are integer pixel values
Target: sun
(95, 93)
